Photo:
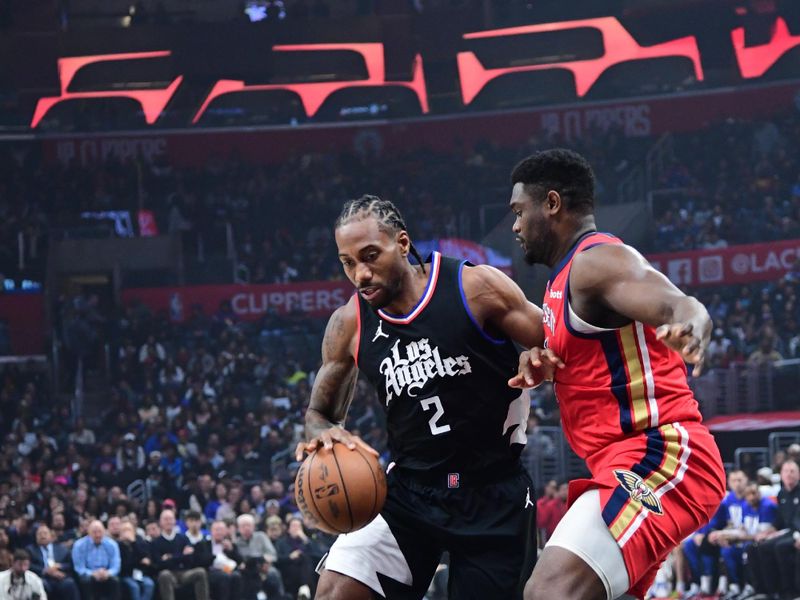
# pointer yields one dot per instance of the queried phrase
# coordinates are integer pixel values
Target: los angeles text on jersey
(421, 364)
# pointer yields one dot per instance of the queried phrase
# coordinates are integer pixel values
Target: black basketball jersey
(443, 381)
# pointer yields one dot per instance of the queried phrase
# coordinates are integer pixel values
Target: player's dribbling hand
(683, 338)
(535, 366)
(327, 438)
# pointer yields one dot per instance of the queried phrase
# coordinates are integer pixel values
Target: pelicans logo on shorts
(639, 490)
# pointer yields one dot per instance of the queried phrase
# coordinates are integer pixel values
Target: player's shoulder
(483, 276)
(342, 325)
(602, 262)
(346, 314)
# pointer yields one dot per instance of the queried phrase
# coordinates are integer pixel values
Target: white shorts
(583, 532)
(363, 554)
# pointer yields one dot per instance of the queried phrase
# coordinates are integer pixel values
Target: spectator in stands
(114, 527)
(194, 527)
(258, 500)
(746, 518)
(96, 561)
(19, 533)
(719, 349)
(135, 564)
(58, 526)
(130, 459)
(260, 557)
(52, 562)
(701, 559)
(152, 353)
(171, 554)
(151, 530)
(81, 434)
(225, 576)
(294, 560)
(275, 528)
(793, 452)
(18, 583)
(773, 559)
(555, 509)
(767, 486)
(220, 496)
(766, 353)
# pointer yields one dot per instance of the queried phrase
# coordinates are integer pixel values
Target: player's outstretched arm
(501, 308)
(621, 280)
(334, 385)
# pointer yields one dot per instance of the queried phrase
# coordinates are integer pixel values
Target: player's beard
(388, 292)
(538, 243)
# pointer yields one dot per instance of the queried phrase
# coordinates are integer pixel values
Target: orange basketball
(340, 490)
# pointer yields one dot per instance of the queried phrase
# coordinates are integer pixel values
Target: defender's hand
(327, 438)
(535, 366)
(690, 343)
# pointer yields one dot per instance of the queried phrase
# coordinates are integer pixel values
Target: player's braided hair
(389, 218)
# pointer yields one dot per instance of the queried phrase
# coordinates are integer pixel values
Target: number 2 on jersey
(436, 429)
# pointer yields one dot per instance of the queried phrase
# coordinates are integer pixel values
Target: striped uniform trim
(632, 381)
(662, 468)
(423, 302)
(648, 374)
(619, 379)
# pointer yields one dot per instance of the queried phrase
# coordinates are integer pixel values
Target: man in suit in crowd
(52, 562)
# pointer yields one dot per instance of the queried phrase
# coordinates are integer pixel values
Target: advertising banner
(249, 302)
(736, 264)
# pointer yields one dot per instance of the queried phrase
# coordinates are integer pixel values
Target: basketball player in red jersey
(623, 332)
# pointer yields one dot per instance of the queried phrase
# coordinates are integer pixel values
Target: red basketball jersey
(616, 382)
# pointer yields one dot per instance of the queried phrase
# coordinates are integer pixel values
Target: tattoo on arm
(335, 382)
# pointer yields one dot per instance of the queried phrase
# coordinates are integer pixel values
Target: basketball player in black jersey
(435, 339)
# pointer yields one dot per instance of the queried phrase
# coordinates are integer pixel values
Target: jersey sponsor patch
(421, 364)
(639, 491)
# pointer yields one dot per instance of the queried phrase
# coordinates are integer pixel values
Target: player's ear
(553, 202)
(402, 240)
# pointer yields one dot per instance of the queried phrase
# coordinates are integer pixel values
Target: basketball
(340, 490)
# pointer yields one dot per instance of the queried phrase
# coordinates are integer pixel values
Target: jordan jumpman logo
(379, 333)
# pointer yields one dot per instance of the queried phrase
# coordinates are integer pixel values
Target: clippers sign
(249, 302)
(733, 265)
(618, 47)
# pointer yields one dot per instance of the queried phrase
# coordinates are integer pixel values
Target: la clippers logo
(549, 318)
(421, 364)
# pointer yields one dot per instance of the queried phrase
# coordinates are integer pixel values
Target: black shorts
(489, 530)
